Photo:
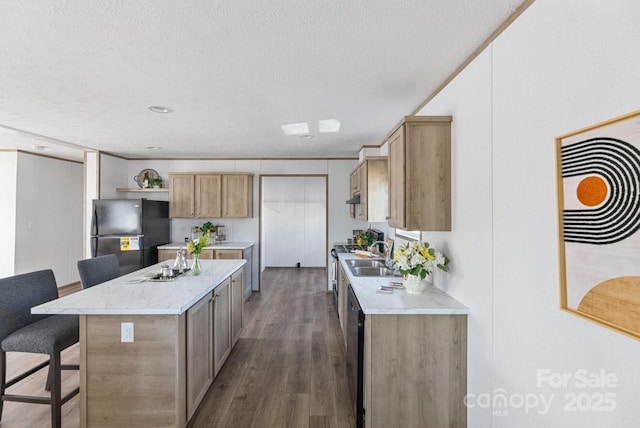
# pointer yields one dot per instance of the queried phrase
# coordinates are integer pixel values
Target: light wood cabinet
(221, 324)
(207, 195)
(354, 179)
(415, 371)
(170, 255)
(200, 370)
(214, 325)
(372, 187)
(166, 255)
(194, 195)
(374, 190)
(420, 174)
(182, 195)
(210, 195)
(237, 306)
(237, 196)
(246, 254)
(227, 254)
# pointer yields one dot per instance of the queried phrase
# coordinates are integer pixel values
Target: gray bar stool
(98, 270)
(21, 331)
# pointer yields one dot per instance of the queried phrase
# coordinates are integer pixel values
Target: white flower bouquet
(419, 259)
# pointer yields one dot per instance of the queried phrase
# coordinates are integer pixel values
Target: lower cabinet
(221, 324)
(213, 326)
(237, 301)
(170, 255)
(415, 371)
(228, 254)
(200, 370)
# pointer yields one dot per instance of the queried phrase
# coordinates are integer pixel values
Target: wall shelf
(145, 190)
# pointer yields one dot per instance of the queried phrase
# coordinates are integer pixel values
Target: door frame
(260, 219)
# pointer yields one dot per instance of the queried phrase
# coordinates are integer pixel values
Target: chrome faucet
(388, 261)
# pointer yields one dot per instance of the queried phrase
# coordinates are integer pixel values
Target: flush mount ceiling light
(153, 148)
(35, 147)
(306, 136)
(159, 109)
(329, 125)
(295, 128)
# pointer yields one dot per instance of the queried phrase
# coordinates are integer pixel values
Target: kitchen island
(411, 352)
(150, 350)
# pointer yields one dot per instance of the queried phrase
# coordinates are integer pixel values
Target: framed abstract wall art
(599, 222)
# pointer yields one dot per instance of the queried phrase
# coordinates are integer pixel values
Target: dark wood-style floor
(287, 369)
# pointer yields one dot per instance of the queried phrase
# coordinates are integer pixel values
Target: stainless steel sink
(372, 263)
(371, 271)
(369, 267)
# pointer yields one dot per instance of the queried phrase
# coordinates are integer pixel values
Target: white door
(294, 221)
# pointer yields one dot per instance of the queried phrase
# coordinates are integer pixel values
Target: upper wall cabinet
(211, 195)
(420, 174)
(237, 195)
(373, 188)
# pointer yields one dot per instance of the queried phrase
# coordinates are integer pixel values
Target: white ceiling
(80, 74)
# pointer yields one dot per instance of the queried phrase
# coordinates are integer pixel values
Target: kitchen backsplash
(237, 230)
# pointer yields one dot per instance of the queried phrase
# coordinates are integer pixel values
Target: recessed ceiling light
(307, 136)
(329, 125)
(295, 128)
(159, 109)
(38, 147)
(153, 148)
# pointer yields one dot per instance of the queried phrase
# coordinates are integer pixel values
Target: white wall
(294, 221)
(8, 184)
(560, 67)
(113, 174)
(49, 225)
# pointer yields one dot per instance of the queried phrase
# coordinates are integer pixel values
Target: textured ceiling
(80, 74)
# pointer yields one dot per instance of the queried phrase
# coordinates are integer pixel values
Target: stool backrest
(98, 270)
(19, 293)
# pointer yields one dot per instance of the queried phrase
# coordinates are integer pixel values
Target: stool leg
(3, 378)
(47, 386)
(56, 390)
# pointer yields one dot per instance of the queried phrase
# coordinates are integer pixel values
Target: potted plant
(156, 183)
(416, 260)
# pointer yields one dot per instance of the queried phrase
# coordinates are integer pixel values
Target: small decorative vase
(413, 284)
(195, 268)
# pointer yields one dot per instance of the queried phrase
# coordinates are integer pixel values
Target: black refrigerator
(131, 229)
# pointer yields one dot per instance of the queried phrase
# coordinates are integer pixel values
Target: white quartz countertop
(432, 301)
(134, 294)
(218, 246)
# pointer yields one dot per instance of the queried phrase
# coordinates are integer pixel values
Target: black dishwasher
(355, 356)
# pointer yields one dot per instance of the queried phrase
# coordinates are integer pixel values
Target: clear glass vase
(195, 267)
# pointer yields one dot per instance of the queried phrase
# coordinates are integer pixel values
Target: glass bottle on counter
(180, 264)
